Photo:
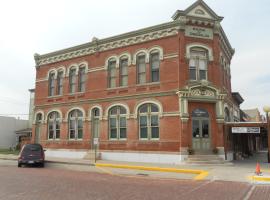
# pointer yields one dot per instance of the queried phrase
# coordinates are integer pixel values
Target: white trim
(35, 116)
(113, 57)
(73, 65)
(117, 104)
(54, 110)
(75, 108)
(156, 49)
(123, 55)
(100, 112)
(52, 71)
(61, 68)
(153, 101)
(83, 64)
(141, 51)
(191, 45)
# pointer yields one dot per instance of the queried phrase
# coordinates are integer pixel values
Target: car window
(32, 148)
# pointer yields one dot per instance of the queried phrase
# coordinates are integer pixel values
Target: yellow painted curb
(260, 178)
(201, 174)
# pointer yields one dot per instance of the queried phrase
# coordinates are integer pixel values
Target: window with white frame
(53, 126)
(112, 73)
(75, 119)
(123, 72)
(154, 63)
(60, 79)
(117, 123)
(148, 121)
(198, 64)
(141, 68)
(81, 79)
(72, 80)
(51, 84)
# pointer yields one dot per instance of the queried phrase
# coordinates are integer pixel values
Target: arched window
(123, 71)
(38, 122)
(154, 63)
(51, 84)
(95, 122)
(60, 78)
(82, 79)
(141, 68)
(112, 73)
(148, 121)
(227, 117)
(53, 126)
(198, 64)
(72, 80)
(75, 119)
(117, 123)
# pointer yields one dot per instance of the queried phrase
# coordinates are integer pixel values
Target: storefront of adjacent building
(149, 95)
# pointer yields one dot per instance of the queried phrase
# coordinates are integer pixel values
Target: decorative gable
(199, 11)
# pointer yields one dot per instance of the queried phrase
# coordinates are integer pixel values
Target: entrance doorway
(201, 140)
(95, 125)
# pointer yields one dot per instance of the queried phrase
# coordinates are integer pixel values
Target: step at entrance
(90, 155)
(205, 159)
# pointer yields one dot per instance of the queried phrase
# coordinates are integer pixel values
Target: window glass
(143, 120)
(154, 132)
(143, 132)
(143, 108)
(154, 108)
(123, 132)
(117, 122)
(154, 120)
(123, 122)
(122, 110)
(113, 133)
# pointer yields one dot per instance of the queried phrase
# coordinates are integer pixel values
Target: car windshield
(32, 148)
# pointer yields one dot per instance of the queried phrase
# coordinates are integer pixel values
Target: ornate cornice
(135, 37)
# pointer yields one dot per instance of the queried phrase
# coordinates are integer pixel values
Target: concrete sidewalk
(235, 171)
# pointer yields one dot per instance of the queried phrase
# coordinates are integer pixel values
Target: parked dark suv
(31, 154)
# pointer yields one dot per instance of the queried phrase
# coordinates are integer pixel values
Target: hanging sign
(246, 130)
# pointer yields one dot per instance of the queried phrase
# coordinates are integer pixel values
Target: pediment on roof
(200, 10)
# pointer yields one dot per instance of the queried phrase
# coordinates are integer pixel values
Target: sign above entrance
(246, 130)
(199, 32)
(200, 113)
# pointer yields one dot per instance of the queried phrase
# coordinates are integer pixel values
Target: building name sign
(246, 130)
(199, 32)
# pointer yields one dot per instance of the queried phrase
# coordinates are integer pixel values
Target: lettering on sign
(200, 32)
(246, 130)
(96, 141)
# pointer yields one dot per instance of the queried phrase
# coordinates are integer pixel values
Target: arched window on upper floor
(54, 125)
(72, 80)
(82, 79)
(112, 73)
(60, 81)
(141, 68)
(148, 122)
(51, 84)
(198, 64)
(154, 66)
(123, 71)
(75, 120)
(117, 123)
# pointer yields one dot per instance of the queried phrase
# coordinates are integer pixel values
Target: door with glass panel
(201, 139)
(95, 124)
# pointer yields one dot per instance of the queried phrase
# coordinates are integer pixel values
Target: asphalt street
(57, 181)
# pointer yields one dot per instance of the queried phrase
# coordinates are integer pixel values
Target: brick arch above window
(100, 112)
(75, 108)
(117, 104)
(83, 64)
(125, 56)
(72, 66)
(36, 114)
(62, 68)
(141, 52)
(200, 45)
(152, 101)
(112, 58)
(156, 49)
(52, 71)
(54, 110)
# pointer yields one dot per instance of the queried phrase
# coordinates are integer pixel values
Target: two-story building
(148, 95)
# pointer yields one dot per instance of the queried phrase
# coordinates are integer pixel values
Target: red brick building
(149, 94)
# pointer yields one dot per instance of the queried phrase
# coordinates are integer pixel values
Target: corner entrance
(201, 140)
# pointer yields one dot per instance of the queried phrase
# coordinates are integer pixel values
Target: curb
(260, 178)
(201, 174)
(70, 163)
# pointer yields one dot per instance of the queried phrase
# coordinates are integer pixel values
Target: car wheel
(19, 165)
(42, 165)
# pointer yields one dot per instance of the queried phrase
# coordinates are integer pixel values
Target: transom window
(117, 123)
(112, 74)
(75, 124)
(141, 69)
(124, 72)
(149, 122)
(51, 84)
(60, 78)
(53, 126)
(82, 79)
(198, 64)
(154, 62)
(72, 80)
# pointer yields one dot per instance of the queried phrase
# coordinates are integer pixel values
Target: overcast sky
(35, 26)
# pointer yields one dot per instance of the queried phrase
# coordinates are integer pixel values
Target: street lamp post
(266, 109)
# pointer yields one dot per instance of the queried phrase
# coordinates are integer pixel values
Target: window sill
(147, 84)
(55, 96)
